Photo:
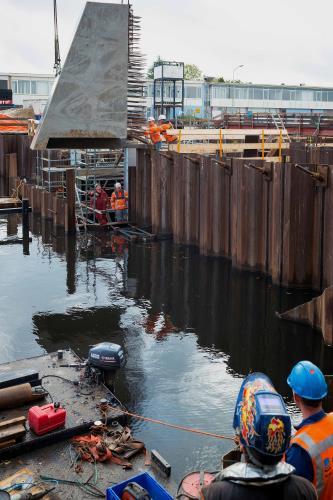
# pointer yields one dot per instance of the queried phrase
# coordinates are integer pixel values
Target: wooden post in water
(70, 195)
(25, 225)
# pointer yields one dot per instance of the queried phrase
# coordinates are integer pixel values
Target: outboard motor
(104, 360)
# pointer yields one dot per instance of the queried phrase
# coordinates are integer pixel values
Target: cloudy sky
(285, 41)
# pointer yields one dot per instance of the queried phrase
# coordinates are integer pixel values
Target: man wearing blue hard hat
(263, 427)
(311, 451)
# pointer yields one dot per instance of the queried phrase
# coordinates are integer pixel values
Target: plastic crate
(156, 491)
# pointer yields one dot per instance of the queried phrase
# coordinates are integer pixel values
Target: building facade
(28, 89)
(202, 99)
(210, 100)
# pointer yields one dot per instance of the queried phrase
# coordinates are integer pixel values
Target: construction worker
(119, 202)
(311, 451)
(154, 132)
(99, 200)
(263, 428)
(165, 125)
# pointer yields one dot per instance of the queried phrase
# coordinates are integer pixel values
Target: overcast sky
(285, 41)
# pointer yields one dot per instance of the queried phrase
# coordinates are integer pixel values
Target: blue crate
(146, 481)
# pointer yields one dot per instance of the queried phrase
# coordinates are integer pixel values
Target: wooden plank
(12, 173)
(9, 202)
(227, 148)
(12, 432)
(12, 421)
(226, 132)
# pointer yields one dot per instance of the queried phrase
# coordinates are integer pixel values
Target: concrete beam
(88, 104)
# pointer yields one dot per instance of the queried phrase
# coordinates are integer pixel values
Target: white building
(29, 89)
(201, 99)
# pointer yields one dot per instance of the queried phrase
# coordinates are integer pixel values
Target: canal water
(192, 328)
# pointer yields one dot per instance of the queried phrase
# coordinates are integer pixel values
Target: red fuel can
(43, 419)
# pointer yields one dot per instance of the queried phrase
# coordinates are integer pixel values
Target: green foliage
(192, 72)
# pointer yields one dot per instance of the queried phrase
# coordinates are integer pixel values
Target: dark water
(191, 326)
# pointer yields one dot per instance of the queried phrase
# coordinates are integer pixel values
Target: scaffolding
(92, 166)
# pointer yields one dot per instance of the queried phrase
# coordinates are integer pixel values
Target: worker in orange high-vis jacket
(119, 202)
(154, 133)
(165, 125)
(311, 448)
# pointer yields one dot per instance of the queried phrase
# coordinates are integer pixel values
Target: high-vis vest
(154, 133)
(317, 440)
(119, 200)
(167, 137)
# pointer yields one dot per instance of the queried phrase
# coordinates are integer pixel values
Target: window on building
(285, 95)
(330, 95)
(240, 92)
(307, 95)
(23, 86)
(33, 87)
(258, 93)
(219, 92)
(42, 87)
(275, 94)
(192, 92)
(179, 90)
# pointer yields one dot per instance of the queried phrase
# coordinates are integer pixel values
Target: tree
(192, 72)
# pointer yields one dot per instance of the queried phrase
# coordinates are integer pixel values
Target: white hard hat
(162, 117)
(151, 119)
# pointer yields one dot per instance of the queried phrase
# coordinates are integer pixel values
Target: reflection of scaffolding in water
(92, 166)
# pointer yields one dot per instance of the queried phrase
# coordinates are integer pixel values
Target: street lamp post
(235, 69)
(233, 80)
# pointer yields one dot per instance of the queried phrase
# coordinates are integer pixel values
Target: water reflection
(191, 328)
(230, 311)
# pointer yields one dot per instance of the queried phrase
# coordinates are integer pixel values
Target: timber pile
(11, 431)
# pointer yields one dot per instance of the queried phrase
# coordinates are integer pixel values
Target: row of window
(32, 87)
(191, 92)
(246, 93)
(43, 87)
(277, 94)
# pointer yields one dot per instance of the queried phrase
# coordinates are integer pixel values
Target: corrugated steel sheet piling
(271, 218)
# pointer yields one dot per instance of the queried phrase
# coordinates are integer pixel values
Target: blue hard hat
(261, 419)
(307, 381)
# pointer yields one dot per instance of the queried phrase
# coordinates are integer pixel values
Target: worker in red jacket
(99, 200)
(119, 202)
(165, 125)
(154, 133)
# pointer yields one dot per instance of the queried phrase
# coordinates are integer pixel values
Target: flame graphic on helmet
(248, 409)
(275, 436)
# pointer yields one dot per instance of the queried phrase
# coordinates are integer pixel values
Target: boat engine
(104, 360)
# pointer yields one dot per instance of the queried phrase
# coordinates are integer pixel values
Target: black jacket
(292, 488)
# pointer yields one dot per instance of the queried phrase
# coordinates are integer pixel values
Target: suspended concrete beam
(88, 105)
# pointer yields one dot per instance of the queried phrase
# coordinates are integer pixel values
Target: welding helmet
(261, 420)
(307, 381)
